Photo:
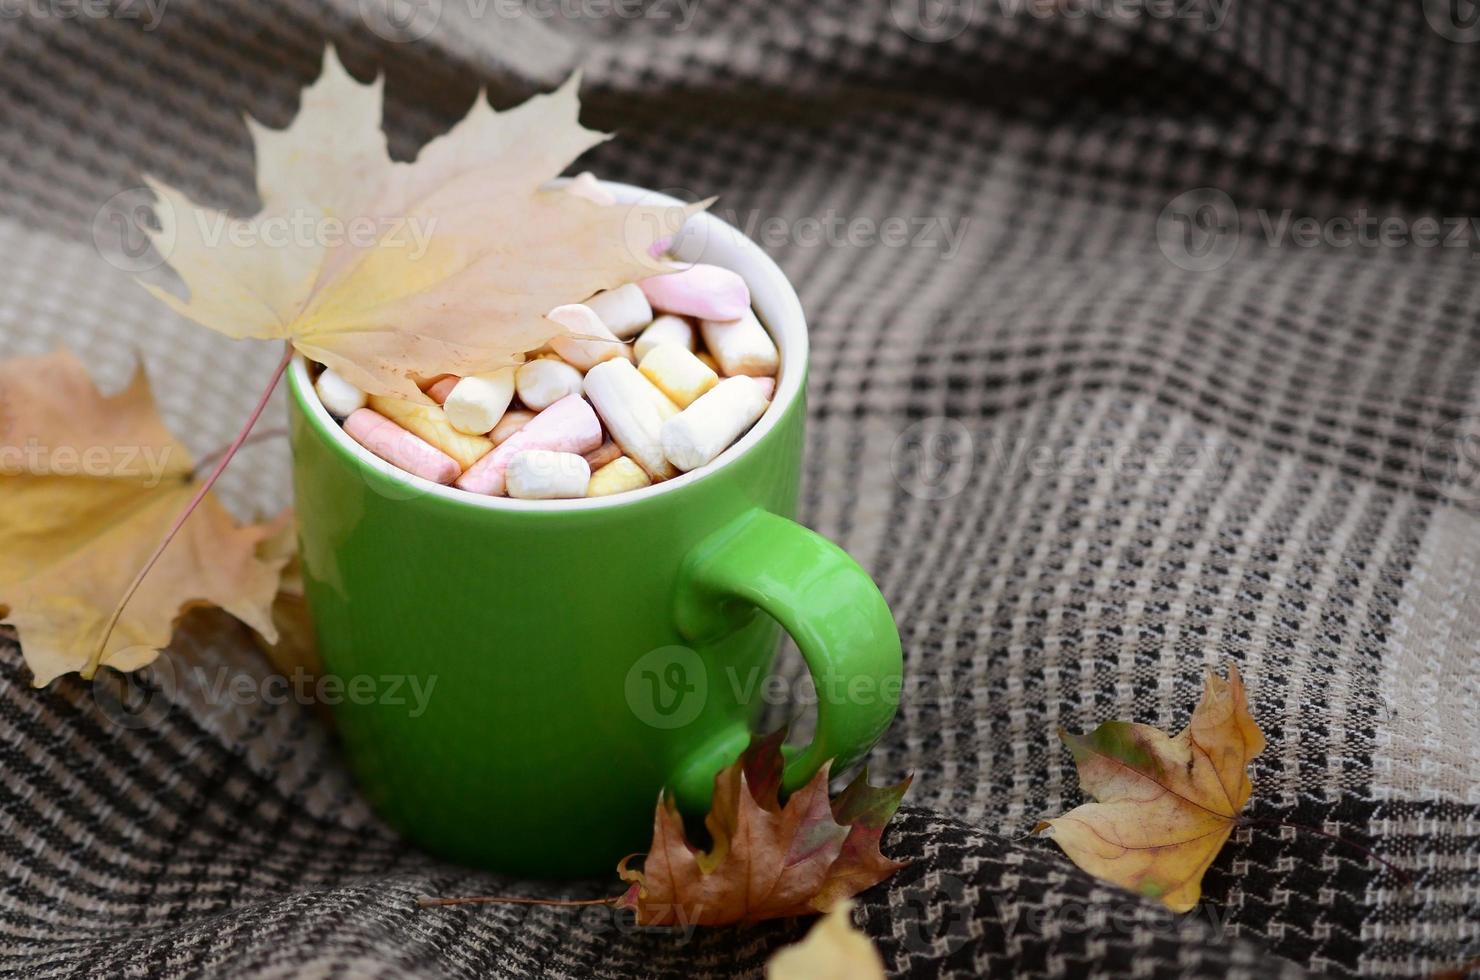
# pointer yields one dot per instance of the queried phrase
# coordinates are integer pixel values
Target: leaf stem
(241, 437)
(1398, 872)
(427, 902)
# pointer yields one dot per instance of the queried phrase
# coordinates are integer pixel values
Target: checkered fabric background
(1121, 402)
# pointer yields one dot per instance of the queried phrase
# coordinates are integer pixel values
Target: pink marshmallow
(705, 291)
(568, 426)
(395, 445)
(439, 391)
(768, 386)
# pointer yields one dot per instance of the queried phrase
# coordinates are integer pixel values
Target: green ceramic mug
(575, 656)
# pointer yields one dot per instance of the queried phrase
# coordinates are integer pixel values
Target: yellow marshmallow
(618, 476)
(430, 423)
(678, 373)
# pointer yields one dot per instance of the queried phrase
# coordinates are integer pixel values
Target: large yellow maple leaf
(1165, 805)
(388, 271)
(90, 485)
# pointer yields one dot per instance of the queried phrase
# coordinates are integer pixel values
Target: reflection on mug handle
(833, 611)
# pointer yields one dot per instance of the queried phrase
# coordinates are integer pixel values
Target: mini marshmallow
(624, 310)
(706, 291)
(544, 382)
(400, 448)
(741, 346)
(677, 373)
(602, 454)
(589, 341)
(708, 361)
(618, 476)
(477, 402)
(768, 387)
(539, 474)
(628, 404)
(441, 388)
(340, 398)
(514, 420)
(429, 422)
(666, 329)
(695, 436)
(664, 404)
(586, 185)
(568, 426)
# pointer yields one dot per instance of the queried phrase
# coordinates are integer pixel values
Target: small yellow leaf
(383, 270)
(833, 950)
(1165, 804)
(90, 485)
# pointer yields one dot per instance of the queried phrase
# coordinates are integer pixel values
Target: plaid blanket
(1145, 341)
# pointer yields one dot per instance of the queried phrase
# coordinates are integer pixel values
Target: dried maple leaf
(1165, 804)
(90, 485)
(296, 648)
(767, 861)
(385, 270)
(833, 950)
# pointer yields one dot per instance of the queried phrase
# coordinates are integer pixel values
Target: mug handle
(833, 611)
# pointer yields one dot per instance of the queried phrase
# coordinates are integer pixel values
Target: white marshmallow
(544, 382)
(477, 402)
(624, 310)
(695, 436)
(741, 346)
(341, 398)
(589, 341)
(539, 474)
(629, 406)
(666, 329)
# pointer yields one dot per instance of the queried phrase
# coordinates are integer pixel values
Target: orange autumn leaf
(1165, 805)
(90, 485)
(767, 861)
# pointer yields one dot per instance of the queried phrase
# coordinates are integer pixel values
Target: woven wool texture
(1091, 420)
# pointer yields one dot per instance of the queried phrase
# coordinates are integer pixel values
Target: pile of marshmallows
(594, 415)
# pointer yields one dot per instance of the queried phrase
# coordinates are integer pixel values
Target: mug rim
(782, 316)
